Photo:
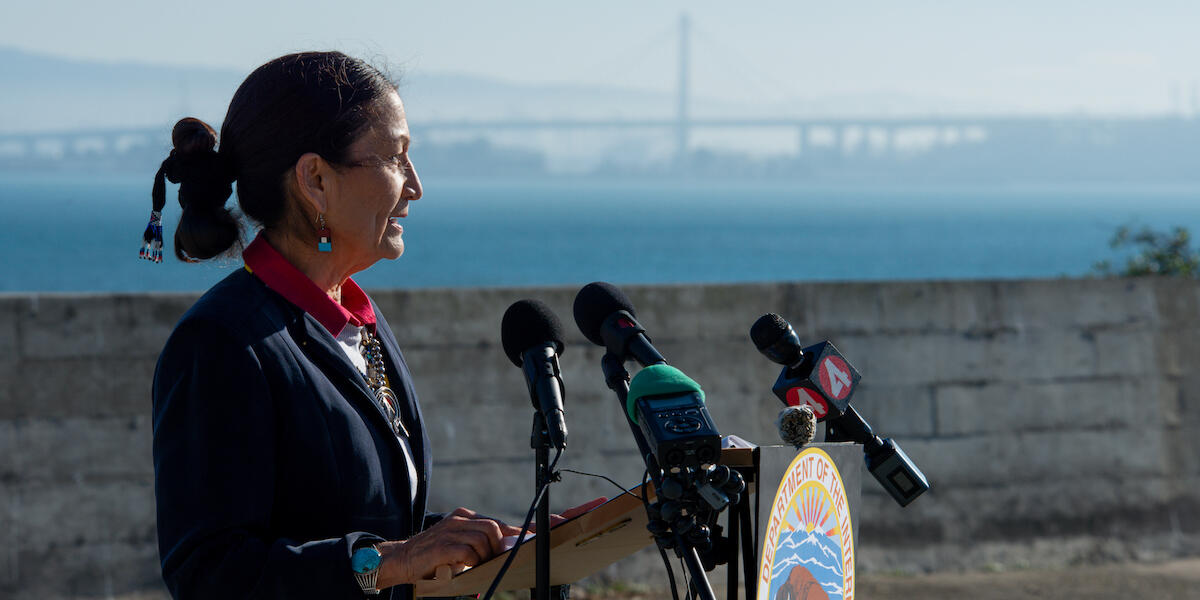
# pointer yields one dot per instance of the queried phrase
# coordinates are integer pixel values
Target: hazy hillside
(43, 92)
(50, 93)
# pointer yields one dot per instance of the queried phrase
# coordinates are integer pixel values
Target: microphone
(674, 433)
(663, 403)
(819, 378)
(531, 335)
(775, 338)
(797, 425)
(606, 318)
(817, 375)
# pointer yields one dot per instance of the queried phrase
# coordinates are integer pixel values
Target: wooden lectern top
(580, 547)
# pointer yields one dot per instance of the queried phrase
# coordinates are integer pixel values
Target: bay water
(75, 232)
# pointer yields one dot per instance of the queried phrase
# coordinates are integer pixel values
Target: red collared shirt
(266, 263)
(277, 273)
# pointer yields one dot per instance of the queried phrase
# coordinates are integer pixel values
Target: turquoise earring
(324, 245)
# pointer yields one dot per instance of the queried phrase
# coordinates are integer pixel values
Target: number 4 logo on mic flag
(798, 396)
(835, 377)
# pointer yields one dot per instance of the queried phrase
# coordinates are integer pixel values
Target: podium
(808, 521)
(579, 547)
(586, 544)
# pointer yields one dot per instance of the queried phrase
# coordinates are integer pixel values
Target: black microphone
(818, 375)
(532, 338)
(775, 338)
(675, 434)
(664, 404)
(820, 378)
(606, 318)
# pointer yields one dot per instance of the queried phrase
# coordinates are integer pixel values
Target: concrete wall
(1057, 420)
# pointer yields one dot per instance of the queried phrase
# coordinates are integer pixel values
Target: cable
(746, 68)
(512, 554)
(670, 573)
(661, 551)
(687, 580)
(550, 470)
(618, 486)
(621, 64)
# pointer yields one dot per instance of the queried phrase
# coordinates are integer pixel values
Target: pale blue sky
(1097, 56)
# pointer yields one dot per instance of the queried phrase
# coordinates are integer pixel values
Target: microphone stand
(540, 442)
(617, 379)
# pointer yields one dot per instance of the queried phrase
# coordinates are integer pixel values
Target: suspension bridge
(845, 136)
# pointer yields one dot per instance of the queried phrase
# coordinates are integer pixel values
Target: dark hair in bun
(206, 228)
(307, 102)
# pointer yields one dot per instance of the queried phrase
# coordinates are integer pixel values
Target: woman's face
(373, 190)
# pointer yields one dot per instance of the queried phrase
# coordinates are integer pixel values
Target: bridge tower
(681, 125)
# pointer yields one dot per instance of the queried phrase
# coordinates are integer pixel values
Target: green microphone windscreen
(657, 380)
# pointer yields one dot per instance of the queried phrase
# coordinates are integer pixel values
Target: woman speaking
(290, 457)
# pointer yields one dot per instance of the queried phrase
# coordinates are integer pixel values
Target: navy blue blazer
(271, 460)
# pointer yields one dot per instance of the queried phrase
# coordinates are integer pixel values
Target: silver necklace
(377, 380)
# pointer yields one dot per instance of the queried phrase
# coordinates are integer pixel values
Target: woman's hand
(575, 511)
(461, 539)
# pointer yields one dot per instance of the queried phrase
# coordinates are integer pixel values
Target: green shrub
(1154, 253)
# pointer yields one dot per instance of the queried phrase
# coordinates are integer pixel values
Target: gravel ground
(1162, 581)
(1176, 580)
